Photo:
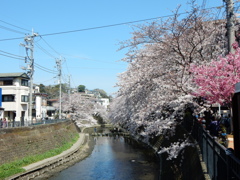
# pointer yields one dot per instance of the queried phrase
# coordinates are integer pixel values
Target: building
(104, 102)
(39, 110)
(15, 96)
(51, 108)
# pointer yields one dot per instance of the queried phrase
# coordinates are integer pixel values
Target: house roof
(52, 100)
(19, 74)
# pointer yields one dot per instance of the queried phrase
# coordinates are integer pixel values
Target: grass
(15, 167)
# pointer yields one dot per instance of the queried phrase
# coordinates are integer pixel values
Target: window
(24, 98)
(24, 82)
(8, 98)
(7, 82)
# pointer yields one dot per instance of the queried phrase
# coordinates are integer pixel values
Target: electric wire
(45, 80)
(65, 62)
(218, 13)
(14, 26)
(46, 69)
(12, 57)
(9, 39)
(83, 58)
(50, 46)
(64, 79)
(94, 68)
(118, 24)
(106, 26)
(12, 54)
(12, 30)
(44, 50)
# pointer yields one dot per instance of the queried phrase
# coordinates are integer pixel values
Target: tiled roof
(19, 74)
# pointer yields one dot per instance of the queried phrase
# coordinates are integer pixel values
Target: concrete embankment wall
(17, 143)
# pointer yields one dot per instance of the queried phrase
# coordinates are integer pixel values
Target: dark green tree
(81, 88)
(53, 90)
(42, 88)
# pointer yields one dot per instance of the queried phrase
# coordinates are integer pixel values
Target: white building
(40, 106)
(15, 94)
(104, 102)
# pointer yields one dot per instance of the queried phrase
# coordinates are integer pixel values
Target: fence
(47, 121)
(220, 161)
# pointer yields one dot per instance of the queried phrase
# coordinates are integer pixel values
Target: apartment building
(15, 91)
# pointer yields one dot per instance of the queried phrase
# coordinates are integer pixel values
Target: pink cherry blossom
(216, 80)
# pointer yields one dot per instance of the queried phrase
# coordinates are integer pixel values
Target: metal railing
(49, 121)
(40, 122)
(220, 161)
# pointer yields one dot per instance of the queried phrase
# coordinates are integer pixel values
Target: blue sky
(91, 56)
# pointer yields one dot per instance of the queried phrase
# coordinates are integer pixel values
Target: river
(114, 158)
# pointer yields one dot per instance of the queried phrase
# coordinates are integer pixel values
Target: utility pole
(69, 87)
(230, 24)
(29, 39)
(59, 67)
(235, 120)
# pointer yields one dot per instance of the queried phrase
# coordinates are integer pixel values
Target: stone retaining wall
(17, 143)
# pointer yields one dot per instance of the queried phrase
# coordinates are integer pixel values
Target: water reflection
(113, 158)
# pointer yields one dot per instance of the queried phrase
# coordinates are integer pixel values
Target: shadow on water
(114, 158)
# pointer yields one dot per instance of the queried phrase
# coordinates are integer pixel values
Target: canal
(114, 158)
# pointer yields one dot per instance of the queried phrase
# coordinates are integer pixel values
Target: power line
(83, 58)
(11, 39)
(94, 68)
(14, 25)
(9, 29)
(44, 50)
(106, 26)
(50, 46)
(11, 57)
(45, 69)
(12, 54)
(112, 25)
(45, 80)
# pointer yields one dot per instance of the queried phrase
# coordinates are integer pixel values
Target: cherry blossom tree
(215, 81)
(81, 108)
(154, 92)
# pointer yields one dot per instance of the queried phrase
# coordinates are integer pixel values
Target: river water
(113, 158)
